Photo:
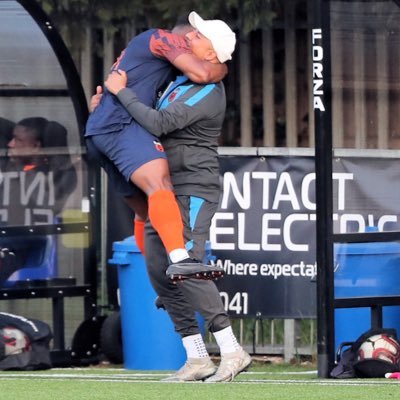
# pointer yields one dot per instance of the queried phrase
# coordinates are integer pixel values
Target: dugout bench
(375, 303)
(56, 289)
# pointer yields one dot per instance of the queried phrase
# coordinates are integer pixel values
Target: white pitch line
(128, 375)
(328, 382)
(251, 382)
(122, 378)
(130, 372)
(279, 373)
(78, 376)
(80, 380)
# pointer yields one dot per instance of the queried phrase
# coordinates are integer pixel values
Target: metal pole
(321, 59)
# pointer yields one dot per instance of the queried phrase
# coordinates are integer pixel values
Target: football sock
(178, 255)
(194, 346)
(138, 231)
(165, 216)
(226, 340)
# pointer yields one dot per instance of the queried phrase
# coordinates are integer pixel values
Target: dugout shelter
(47, 191)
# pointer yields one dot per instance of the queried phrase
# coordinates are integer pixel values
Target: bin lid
(368, 248)
(127, 245)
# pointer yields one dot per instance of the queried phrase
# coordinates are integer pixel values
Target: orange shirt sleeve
(165, 44)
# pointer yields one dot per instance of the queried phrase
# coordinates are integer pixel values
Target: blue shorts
(121, 153)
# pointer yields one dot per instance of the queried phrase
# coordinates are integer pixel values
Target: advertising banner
(263, 234)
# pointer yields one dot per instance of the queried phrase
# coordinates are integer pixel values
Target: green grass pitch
(260, 382)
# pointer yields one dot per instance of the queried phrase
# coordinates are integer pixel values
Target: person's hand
(116, 81)
(95, 100)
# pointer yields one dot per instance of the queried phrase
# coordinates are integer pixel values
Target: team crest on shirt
(172, 96)
(158, 145)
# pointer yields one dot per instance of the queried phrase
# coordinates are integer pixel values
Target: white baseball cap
(222, 38)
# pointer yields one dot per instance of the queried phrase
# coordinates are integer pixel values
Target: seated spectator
(37, 179)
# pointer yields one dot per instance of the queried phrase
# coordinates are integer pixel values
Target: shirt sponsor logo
(172, 96)
(158, 145)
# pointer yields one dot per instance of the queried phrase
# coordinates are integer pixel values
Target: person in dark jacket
(133, 158)
(35, 185)
(188, 120)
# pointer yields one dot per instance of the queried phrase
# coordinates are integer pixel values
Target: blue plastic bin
(365, 269)
(148, 335)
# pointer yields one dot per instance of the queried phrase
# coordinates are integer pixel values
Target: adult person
(129, 154)
(25, 154)
(188, 120)
(28, 159)
(35, 185)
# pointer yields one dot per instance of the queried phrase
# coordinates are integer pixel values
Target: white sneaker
(195, 369)
(231, 365)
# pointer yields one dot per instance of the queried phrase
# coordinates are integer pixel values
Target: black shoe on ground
(192, 269)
